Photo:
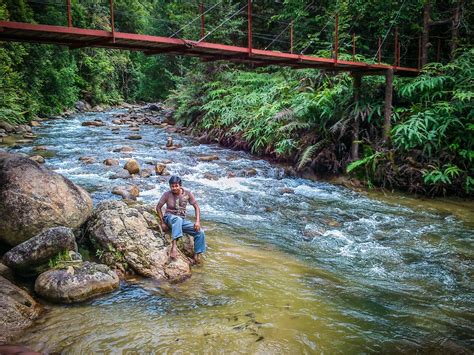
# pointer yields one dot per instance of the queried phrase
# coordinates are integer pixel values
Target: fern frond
(308, 154)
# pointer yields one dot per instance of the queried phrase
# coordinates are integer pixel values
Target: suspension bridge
(74, 37)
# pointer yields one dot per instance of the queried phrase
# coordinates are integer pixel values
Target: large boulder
(33, 255)
(33, 198)
(125, 237)
(76, 283)
(18, 310)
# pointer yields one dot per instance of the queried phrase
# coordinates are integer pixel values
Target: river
(293, 265)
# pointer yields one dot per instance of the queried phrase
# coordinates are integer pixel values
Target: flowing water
(293, 266)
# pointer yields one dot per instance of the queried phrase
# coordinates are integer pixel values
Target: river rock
(87, 160)
(35, 124)
(127, 192)
(125, 149)
(7, 126)
(122, 174)
(160, 169)
(134, 137)
(111, 162)
(40, 148)
(210, 176)
(123, 236)
(169, 141)
(33, 255)
(207, 158)
(38, 158)
(33, 198)
(76, 283)
(132, 166)
(312, 231)
(23, 128)
(18, 310)
(146, 173)
(80, 106)
(134, 129)
(6, 272)
(250, 172)
(93, 123)
(29, 136)
(204, 139)
(286, 190)
(153, 107)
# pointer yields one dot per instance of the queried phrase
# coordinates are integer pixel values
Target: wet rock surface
(33, 255)
(123, 236)
(18, 310)
(76, 283)
(33, 198)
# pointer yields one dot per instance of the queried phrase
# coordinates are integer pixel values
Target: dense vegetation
(305, 117)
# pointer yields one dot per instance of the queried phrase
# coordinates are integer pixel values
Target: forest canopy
(306, 117)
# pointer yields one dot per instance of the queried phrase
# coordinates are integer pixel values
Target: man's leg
(176, 225)
(199, 238)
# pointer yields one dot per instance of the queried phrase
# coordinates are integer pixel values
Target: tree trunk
(426, 33)
(455, 28)
(387, 125)
(355, 130)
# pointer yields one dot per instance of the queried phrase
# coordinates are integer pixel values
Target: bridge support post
(387, 125)
(69, 18)
(357, 82)
(201, 10)
(291, 37)
(112, 19)
(336, 39)
(249, 24)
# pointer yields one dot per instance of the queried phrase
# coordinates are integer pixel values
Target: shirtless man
(176, 200)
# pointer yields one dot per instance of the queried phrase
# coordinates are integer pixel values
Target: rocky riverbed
(293, 265)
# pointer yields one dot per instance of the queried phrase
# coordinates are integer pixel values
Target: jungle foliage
(305, 117)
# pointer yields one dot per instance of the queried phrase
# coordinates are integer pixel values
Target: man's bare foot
(174, 252)
(197, 259)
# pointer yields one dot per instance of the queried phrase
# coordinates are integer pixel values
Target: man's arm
(160, 204)
(197, 225)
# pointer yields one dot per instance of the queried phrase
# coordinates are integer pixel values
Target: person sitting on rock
(176, 200)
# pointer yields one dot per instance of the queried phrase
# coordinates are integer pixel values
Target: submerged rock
(207, 158)
(18, 310)
(76, 283)
(146, 173)
(33, 198)
(93, 123)
(124, 149)
(123, 236)
(87, 160)
(134, 137)
(33, 255)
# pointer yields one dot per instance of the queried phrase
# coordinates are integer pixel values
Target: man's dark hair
(175, 180)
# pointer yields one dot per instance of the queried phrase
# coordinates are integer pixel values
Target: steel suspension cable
(196, 18)
(222, 23)
(388, 31)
